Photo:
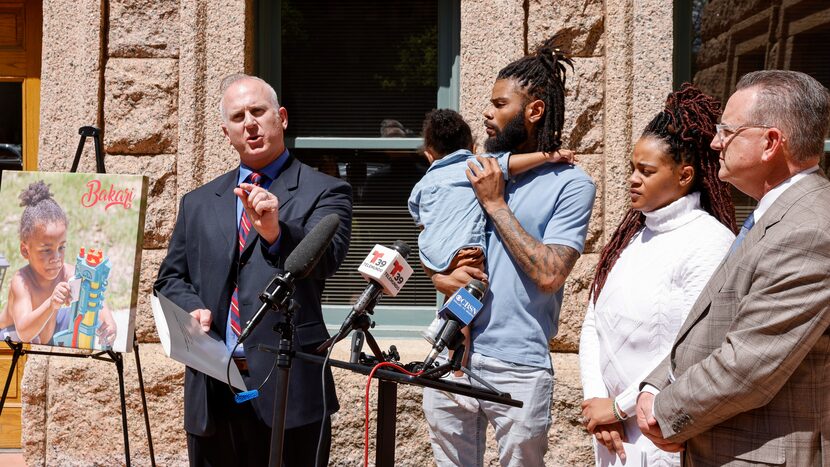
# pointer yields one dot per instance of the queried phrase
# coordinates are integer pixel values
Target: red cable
(368, 387)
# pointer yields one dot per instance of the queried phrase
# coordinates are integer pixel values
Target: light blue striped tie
(748, 223)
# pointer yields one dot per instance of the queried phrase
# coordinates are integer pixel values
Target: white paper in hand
(75, 289)
(184, 341)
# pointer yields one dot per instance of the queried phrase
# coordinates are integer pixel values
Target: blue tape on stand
(246, 396)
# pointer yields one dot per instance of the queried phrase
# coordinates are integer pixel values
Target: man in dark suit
(747, 380)
(231, 237)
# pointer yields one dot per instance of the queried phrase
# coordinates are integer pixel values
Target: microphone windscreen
(311, 248)
(477, 288)
(401, 247)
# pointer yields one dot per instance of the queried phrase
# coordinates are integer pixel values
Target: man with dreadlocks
(678, 229)
(746, 379)
(535, 232)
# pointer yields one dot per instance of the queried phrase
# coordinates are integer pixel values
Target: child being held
(39, 294)
(444, 205)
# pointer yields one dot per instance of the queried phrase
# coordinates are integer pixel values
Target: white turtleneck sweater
(646, 297)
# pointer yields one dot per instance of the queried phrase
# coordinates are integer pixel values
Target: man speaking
(232, 235)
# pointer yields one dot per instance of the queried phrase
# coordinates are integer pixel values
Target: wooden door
(20, 53)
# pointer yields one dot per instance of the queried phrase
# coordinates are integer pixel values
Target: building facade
(356, 78)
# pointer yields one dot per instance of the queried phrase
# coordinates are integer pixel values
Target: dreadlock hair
(445, 131)
(686, 126)
(40, 209)
(542, 76)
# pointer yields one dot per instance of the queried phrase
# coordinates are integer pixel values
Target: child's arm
(106, 328)
(29, 321)
(520, 163)
(5, 318)
(5, 315)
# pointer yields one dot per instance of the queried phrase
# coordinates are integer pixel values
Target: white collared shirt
(772, 195)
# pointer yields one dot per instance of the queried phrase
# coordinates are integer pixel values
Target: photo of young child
(39, 295)
(71, 285)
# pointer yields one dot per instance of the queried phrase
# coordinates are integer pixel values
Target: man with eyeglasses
(748, 377)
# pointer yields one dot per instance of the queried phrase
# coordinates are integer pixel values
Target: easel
(105, 355)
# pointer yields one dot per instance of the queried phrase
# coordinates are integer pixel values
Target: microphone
(358, 338)
(387, 271)
(458, 311)
(298, 265)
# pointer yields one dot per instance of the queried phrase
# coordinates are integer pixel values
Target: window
(11, 126)
(725, 41)
(357, 79)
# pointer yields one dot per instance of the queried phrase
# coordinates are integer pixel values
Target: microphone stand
(454, 364)
(285, 354)
(277, 297)
(362, 322)
(387, 399)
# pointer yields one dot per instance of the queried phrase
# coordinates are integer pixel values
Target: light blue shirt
(269, 173)
(553, 204)
(444, 204)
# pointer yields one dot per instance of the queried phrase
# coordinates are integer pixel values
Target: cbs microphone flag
(463, 306)
(386, 267)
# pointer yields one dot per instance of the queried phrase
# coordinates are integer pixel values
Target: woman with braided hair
(680, 226)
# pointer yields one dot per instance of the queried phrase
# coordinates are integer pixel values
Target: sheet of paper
(184, 341)
(75, 289)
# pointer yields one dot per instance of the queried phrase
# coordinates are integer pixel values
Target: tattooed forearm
(547, 265)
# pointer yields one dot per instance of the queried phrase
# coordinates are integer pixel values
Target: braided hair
(686, 125)
(542, 76)
(40, 209)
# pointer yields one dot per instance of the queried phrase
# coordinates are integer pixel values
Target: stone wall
(150, 78)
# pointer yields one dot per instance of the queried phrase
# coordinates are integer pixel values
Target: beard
(513, 135)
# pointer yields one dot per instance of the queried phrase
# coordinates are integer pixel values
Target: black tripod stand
(278, 301)
(285, 353)
(388, 381)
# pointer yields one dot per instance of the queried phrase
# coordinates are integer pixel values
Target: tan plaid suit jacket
(748, 378)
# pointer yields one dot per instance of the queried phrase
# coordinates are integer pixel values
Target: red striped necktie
(244, 228)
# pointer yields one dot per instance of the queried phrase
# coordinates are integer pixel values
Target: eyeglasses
(726, 132)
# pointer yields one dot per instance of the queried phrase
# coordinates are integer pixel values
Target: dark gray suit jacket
(201, 266)
(751, 363)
